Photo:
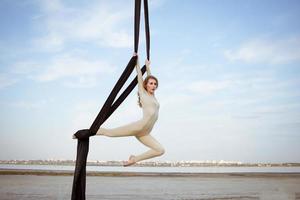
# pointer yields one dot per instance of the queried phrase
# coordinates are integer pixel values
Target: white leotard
(150, 108)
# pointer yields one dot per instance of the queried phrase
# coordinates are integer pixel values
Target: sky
(228, 71)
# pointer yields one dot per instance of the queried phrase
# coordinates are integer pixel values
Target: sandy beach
(37, 184)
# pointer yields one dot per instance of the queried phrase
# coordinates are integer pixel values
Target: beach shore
(39, 184)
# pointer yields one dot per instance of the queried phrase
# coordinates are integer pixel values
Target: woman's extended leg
(156, 149)
(131, 129)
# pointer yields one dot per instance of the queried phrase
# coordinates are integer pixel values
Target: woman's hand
(147, 62)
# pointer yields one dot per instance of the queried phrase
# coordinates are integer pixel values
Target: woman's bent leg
(156, 149)
(131, 129)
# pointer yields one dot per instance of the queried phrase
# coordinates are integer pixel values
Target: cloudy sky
(228, 71)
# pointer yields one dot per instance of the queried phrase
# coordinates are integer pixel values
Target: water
(28, 187)
(157, 169)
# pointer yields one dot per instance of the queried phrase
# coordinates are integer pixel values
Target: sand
(139, 186)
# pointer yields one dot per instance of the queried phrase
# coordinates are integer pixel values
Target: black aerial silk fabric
(110, 105)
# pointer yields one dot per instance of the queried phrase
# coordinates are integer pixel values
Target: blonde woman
(141, 129)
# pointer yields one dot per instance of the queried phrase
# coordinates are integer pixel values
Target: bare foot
(130, 161)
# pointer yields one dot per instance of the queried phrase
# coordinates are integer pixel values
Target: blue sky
(228, 75)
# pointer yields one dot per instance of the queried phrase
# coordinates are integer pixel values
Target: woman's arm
(139, 76)
(147, 63)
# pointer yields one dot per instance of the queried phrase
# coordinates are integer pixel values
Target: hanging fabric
(79, 181)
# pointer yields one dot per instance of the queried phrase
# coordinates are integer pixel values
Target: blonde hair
(145, 82)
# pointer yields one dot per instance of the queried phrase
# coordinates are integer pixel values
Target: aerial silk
(79, 181)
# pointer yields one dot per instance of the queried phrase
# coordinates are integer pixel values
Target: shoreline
(151, 174)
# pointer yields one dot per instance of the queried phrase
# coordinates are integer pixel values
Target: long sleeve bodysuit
(141, 129)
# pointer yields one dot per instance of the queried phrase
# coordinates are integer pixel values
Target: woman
(141, 129)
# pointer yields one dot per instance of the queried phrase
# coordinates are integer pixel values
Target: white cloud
(74, 69)
(207, 87)
(51, 6)
(28, 105)
(6, 80)
(266, 51)
(24, 67)
(156, 3)
(73, 66)
(50, 42)
(81, 82)
(100, 23)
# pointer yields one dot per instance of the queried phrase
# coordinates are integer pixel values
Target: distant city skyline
(161, 163)
(228, 73)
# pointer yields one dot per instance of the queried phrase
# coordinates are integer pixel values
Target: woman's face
(151, 85)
